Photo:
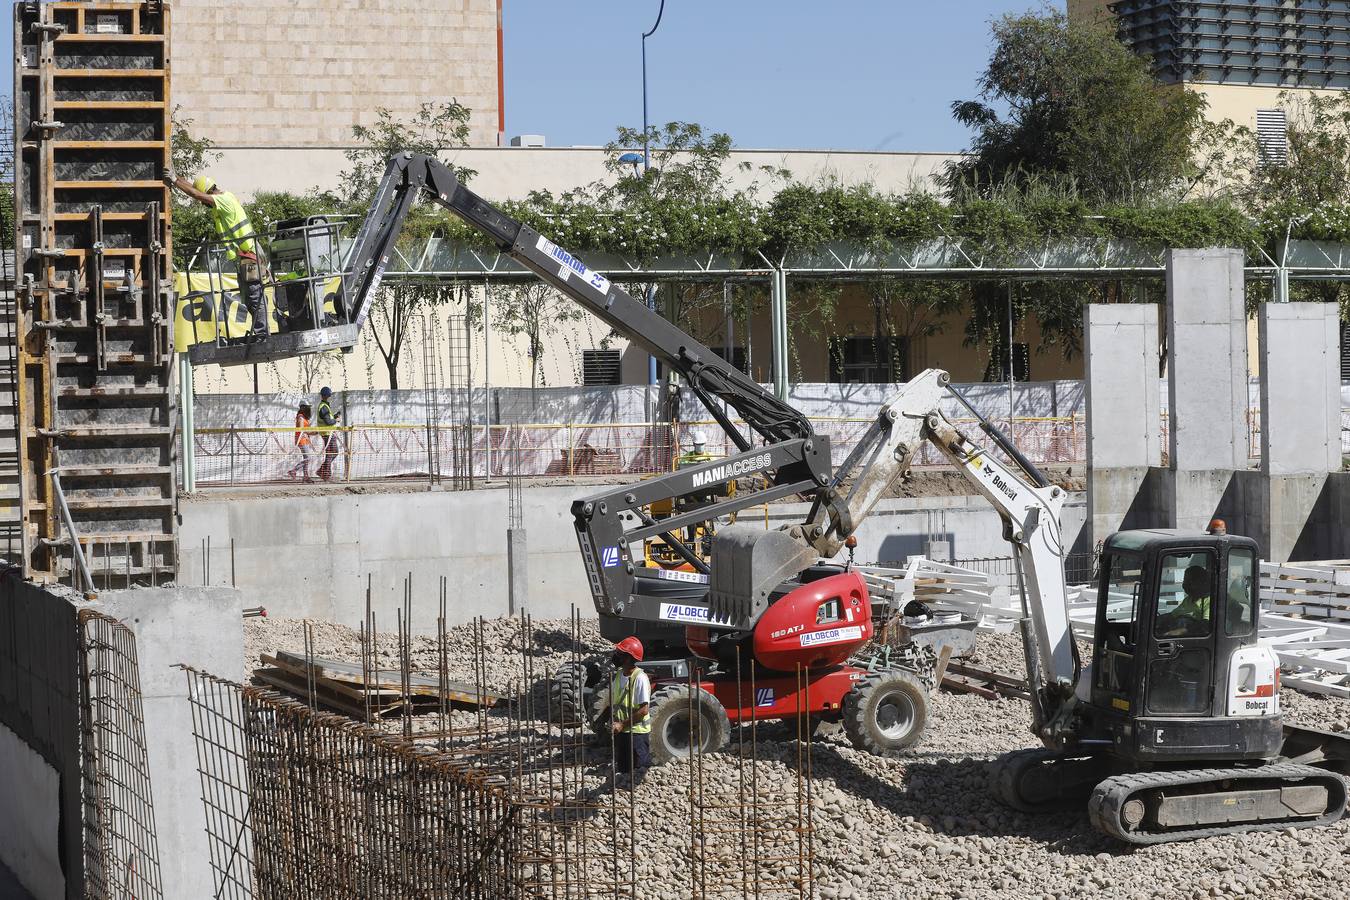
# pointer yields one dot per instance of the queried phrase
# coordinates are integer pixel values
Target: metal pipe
(90, 592)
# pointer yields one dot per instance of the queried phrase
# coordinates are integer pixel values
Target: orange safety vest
(301, 435)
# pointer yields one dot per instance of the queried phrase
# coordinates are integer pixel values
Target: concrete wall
(1300, 422)
(41, 836)
(30, 818)
(41, 829)
(510, 173)
(301, 74)
(203, 628)
(1207, 384)
(310, 555)
(1120, 350)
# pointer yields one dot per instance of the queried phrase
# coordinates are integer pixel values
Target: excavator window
(1237, 614)
(1180, 676)
(1119, 633)
(828, 612)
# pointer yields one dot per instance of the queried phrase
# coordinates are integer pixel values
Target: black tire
(567, 695)
(885, 712)
(597, 708)
(672, 737)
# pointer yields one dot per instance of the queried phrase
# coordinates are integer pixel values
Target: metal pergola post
(779, 330)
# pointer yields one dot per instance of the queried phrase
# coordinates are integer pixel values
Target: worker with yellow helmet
(235, 231)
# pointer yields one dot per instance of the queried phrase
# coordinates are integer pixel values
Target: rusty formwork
(95, 398)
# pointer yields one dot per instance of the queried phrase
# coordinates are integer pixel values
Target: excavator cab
(1176, 669)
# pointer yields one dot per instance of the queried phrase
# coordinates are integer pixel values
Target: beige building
(299, 74)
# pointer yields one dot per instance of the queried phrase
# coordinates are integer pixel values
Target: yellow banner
(202, 314)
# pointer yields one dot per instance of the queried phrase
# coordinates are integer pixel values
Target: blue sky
(847, 74)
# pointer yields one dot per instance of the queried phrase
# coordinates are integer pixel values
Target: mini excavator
(1172, 730)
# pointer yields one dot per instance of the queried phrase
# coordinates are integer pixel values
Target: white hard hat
(697, 437)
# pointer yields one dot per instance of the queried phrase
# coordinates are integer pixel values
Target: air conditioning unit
(528, 140)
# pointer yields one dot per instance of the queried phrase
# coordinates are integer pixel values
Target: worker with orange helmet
(630, 697)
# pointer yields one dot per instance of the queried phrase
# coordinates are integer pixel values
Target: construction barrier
(245, 456)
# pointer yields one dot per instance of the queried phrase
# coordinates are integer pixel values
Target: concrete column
(1300, 421)
(517, 571)
(1120, 352)
(1207, 384)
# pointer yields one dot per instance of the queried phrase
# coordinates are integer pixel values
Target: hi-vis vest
(622, 703)
(232, 225)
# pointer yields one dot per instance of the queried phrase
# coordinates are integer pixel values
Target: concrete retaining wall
(311, 555)
(41, 828)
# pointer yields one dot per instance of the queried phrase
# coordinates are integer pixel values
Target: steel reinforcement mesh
(121, 847)
(302, 803)
(505, 799)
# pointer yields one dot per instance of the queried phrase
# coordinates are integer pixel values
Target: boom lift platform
(1171, 731)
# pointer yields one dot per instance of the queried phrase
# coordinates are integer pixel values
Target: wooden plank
(111, 184)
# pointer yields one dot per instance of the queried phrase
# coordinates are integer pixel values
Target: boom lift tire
(677, 707)
(885, 712)
(597, 708)
(569, 692)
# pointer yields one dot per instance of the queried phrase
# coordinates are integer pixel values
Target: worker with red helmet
(630, 697)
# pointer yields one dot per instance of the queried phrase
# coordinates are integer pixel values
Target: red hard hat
(632, 646)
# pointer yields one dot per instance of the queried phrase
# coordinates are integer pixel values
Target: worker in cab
(302, 442)
(1191, 616)
(328, 420)
(630, 697)
(235, 232)
(697, 452)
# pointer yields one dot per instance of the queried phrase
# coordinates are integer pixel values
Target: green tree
(533, 311)
(1073, 103)
(434, 129)
(191, 157)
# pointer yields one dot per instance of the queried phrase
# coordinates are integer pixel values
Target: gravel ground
(923, 826)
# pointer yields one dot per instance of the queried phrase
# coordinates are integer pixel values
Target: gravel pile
(923, 826)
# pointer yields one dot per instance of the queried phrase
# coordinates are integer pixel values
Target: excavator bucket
(748, 563)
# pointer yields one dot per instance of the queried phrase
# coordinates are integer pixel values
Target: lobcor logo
(609, 557)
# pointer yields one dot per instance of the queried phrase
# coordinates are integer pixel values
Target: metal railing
(250, 456)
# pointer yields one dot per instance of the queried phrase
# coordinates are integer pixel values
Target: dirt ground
(927, 824)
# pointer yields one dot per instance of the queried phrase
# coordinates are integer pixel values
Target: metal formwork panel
(96, 402)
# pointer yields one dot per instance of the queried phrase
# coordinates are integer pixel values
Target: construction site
(719, 630)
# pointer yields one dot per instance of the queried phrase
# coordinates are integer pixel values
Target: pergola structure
(950, 258)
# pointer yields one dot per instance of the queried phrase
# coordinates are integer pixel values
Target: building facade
(298, 75)
(1243, 57)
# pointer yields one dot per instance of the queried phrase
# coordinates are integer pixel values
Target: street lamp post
(646, 164)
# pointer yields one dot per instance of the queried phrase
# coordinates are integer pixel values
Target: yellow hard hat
(204, 183)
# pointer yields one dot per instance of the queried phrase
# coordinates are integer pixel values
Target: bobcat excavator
(1171, 730)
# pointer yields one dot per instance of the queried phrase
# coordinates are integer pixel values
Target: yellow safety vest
(622, 703)
(232, 224)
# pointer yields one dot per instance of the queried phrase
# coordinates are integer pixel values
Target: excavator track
(1153, 807)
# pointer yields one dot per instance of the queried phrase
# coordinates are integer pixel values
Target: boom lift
(1171, 731)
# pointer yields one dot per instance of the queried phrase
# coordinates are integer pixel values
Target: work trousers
(632, 753)
(250, 287)
(306, 459)
(330, 452)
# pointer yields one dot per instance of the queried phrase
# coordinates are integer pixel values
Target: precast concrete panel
(1300, 388)
(1120, 347)
(1207, 346)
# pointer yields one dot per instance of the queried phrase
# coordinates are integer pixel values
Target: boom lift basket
(304, 282)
